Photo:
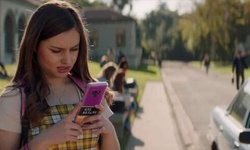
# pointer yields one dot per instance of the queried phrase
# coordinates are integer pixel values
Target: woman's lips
(63, 69)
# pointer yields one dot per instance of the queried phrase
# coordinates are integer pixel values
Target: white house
(14, 15)
(110, 29)
(107, 29)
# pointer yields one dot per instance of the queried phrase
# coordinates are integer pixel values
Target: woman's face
(57, 55)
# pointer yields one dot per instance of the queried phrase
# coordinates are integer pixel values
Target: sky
(143, 7)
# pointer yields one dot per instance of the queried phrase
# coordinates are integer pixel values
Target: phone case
(93, 96)
(94, 93)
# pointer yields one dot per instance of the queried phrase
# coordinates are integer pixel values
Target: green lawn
(11, 71)
(142, 74)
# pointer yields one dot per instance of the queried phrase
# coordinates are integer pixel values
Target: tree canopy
(214, 27)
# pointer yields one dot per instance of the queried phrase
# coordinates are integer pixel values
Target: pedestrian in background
(53, 56)
(103, 60)
(108, 73)
(206, 61)
(119, 57)
(238, 67)
(110, 55)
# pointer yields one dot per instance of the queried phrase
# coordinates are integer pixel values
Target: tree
(119, 5)
(159, 32)
(86, 3)
(216, 26)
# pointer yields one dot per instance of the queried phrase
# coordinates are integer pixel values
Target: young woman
(53, 51)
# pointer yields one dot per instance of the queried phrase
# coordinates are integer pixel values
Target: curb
(189, 136)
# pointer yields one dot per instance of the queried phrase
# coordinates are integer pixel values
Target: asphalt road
(197, 93)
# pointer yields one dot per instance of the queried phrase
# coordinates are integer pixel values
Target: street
(196, 93)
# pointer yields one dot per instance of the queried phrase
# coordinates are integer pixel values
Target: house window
(120, 38)
(93, 38)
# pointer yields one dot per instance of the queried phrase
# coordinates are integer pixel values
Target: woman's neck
(57, 82)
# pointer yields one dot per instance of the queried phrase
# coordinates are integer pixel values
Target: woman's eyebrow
(75, 45)
(60, 48)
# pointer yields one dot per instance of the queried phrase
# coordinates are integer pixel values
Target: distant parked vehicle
(229, 126)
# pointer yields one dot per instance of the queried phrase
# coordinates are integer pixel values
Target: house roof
(104, 15)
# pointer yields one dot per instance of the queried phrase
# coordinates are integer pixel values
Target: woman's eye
(75, 49)
(55, 51)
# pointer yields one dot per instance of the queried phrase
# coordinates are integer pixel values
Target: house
(107, 29)
(14, 15)
(110, 29)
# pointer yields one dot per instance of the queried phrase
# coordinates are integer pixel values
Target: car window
(240, 107)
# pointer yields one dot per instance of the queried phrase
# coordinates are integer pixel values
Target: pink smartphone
(93, 96)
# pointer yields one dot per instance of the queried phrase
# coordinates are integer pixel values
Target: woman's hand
(103, 126)
(64, 130)
(98, 122)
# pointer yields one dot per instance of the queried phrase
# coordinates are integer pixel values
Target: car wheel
(214, 146)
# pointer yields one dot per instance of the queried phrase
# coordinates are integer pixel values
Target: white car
(229, 124)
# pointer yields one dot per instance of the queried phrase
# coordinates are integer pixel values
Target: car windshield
(239, 107)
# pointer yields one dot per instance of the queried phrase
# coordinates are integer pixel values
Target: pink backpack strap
(78, 82)
(24, 120)
(23, 101)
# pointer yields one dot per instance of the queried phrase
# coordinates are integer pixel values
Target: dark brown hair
(50, 19)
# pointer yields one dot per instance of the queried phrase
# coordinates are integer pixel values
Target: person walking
(238, 67)
(37, 111)
(206, 61)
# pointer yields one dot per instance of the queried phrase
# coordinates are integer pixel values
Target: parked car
(231, 123)
(244, 137)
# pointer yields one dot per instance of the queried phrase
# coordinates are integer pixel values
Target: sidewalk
(154, 126)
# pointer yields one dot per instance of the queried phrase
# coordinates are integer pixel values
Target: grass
(11, 69)
(142, 74)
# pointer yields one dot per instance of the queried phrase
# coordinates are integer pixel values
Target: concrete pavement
(163, 122)
(155, 126)
(188, 133)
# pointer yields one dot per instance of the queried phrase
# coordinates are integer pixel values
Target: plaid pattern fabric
(87, 141)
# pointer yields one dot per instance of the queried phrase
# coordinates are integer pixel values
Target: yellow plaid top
(88, 141)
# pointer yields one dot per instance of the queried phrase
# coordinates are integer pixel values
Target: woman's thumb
(74, 111)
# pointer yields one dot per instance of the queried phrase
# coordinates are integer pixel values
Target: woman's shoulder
(10, 96)
(10, 91)
(10, 108)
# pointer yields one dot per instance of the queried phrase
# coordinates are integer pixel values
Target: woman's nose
(65, 58)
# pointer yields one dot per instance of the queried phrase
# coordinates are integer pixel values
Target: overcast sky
(142, 7)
